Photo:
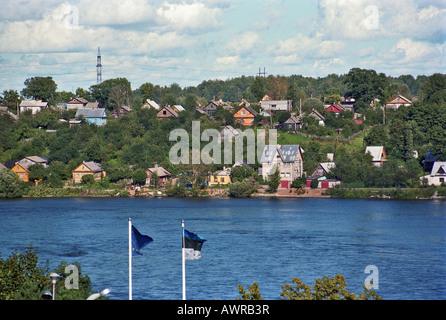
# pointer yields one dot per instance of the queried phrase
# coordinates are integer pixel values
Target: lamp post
(95, 296)
(54, 276)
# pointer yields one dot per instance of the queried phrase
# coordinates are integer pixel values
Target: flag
(139, 241)
(192, 244)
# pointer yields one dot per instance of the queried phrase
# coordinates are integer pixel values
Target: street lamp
(95, 296)
(54, 276)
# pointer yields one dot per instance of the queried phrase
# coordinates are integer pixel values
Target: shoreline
(344, 193)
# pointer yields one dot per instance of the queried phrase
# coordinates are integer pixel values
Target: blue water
(270, 241)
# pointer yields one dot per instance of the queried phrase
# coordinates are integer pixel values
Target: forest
(137, 140)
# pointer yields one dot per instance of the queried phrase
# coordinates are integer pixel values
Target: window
(243, 112)
(22, 176)
(222, 179)
(441, 180)
(83, 167)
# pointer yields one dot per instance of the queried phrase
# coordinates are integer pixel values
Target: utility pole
(264, 72)
(99, 67)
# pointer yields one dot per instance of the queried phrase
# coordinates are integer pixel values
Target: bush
(87, 179)
(243, 189)
(314, 183)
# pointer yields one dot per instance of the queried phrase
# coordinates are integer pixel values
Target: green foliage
(325, 288)
(243, 189)
(21, 278)
(10, 185)
(252, 294)
(139, 177)
(87, 179)
(274, 180)
(40, 88)
(19, 272)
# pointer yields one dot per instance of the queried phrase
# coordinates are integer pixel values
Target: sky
(190, 41)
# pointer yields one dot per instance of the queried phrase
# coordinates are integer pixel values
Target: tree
(37, 173)
(257, 88)
(434, 90)
(87, 179)
(243, 189)
(10, 99)
(325, 288)
(146, 90)
(101, 92)
(367, 85)
(139, 177)
(254, 293)
(40, 88)
(274, 180)
(10, 184)
(277, 87)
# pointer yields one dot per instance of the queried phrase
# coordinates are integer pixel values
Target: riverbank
(430, 193)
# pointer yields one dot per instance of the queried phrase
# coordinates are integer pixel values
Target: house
(293, 123)
(322, 169)
(33, 105)
(96, 116)
(222, 177)
(378, 155)
(276, 105)
(166, 112)
(122, 112)
(320, 118)
(288, 159)
(334, 107)
(81, 103)
(85, 168)
(397, 102)
(22, 171)
(177, 108)
(245, 115)
(437, 177)
(32, 160)
(151, 104)
(22, 167)
(228, 133)
(162, 173)
(210, 108)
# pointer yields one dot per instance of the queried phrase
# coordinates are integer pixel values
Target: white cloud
(409, 51)
(301, 48)
(244, 43)
(189, 16)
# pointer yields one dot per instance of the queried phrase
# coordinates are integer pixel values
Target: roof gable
(399, 99)
(439, 168)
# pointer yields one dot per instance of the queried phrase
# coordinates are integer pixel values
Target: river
(269, 241)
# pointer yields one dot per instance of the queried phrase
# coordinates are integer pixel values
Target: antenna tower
(264, 72)
(99, 67)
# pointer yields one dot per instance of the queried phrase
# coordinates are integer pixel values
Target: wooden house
(293, 123)
(320, 118)
(33, 105)
(276, 105)
(378, 155)
(96, 116)
(288, 159)
(437, 177)
(151, 104)
(122, 112)
(210, 108)
(397, 102)
(322, 169)
(21, 170)
(81, 103)
(166, 112)
(85, 168)
(245, 115)
(334, 107)
(162, 173)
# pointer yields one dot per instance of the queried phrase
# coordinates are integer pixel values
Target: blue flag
(192, 244)
(139, 241)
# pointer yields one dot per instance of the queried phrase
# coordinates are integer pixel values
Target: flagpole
(130, 259)
(183, 264)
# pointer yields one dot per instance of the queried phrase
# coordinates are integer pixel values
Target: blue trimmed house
(96, 116)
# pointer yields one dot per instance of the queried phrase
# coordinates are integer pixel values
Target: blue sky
(189, 41)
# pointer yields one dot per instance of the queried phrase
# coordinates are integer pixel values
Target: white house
(437, 175)
(378, 155)
(276, 105)
(33, 105)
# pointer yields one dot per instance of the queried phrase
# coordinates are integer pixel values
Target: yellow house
(222, 177)
(22, 171)
(85, 168)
